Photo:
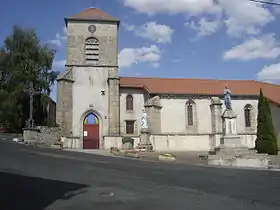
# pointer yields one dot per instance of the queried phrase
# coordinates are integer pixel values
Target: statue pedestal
(145, 144)
(230, 138)
(30, 135)
(231, 152)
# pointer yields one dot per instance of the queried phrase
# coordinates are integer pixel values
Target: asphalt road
(34, 179)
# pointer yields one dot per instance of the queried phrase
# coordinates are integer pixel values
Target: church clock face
(91, 28)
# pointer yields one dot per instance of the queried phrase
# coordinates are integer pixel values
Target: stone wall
(48, 135)
(64, 103)
(116, 141)
(180, 142)
(177, 142)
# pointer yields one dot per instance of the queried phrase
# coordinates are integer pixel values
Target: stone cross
(30, 121)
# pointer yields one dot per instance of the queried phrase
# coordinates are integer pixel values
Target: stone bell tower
(90, 82)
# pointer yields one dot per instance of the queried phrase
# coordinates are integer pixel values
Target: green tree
(23, 59)
(266, 141)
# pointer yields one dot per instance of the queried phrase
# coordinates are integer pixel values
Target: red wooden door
(91, 136)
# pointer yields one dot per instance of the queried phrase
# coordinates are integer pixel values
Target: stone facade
(48, 135)
(89, 87)
(95, 88)
(64, 104)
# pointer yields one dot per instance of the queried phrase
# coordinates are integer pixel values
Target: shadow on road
(30, 193)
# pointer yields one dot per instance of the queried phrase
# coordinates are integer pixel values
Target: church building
(96, 107)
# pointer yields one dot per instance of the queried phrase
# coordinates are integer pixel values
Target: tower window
(92, 51)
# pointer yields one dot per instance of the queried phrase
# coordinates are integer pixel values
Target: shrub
(266, 141)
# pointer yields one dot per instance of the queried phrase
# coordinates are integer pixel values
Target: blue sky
(221, 39)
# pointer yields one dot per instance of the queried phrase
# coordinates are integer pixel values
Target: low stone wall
(179, 142)
(116, 141)
(72, 142)
(48, 135)
(173, 142)
(164, 142)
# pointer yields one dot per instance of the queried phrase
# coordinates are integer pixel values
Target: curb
(126, 154)
(56, 146)
(131, 155)
(238, 168)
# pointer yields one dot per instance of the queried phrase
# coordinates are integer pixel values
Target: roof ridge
(187, 78)
(277, 85)
(93, 13)
(165, 85)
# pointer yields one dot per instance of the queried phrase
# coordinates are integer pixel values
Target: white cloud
(128, 27)
(172, 7)
(158, 33)
(155, 65)
(241, 17)
(130, 56)
(205, 27)
(271, 72)
(59, 38)
(244, 17)
(59, 65)
(264, 47)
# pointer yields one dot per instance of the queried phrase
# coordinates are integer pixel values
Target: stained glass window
(91, 119)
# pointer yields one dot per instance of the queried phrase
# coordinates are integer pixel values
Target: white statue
(144, 119)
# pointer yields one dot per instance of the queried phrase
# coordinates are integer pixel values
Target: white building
(95, 107)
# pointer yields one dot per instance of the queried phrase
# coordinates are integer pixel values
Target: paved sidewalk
(92, 151)
(188, 157)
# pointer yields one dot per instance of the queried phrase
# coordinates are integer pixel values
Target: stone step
(246, 160)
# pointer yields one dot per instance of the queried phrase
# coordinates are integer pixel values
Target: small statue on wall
(144, 120)
(227, 97)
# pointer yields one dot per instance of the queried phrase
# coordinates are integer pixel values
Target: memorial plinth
(30, 135)
(230, 139)
(145, 144)
(231, 152)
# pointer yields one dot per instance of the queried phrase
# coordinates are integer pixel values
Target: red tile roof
(93, 14)
(202, 86)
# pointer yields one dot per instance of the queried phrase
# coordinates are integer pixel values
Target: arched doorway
(91, 132)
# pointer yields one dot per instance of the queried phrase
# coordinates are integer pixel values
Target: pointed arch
(91, 129)
(91, 119)
(92, 51)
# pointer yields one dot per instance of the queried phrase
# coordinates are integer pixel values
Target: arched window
(92, 51)
(190, 112)
(129, 103)
(248, 115)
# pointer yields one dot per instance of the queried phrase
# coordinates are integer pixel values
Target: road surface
(34, 179)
